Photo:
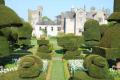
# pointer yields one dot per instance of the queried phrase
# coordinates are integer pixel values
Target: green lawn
(57, 72)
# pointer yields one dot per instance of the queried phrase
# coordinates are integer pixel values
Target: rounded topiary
(69, 42)
(91, 33)
(42, 42)
(43, 49)
(97, 67)
(2, 2)
(72, 55)
(30, 67)
(44, 46)
(8, 17)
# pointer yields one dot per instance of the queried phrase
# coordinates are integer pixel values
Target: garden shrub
(72, 55)
(111, 38)
(30, 67)
(8, 17)
(4, 48)
(42, 42)
(69, 42)
(24, 35)
(44, 49)
(97, 67)
(103, 29)
(108, 53)
(44, 46)
(43, 55)
(91, 33)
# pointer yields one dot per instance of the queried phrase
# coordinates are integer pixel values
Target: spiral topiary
(30, 67)
(97, 69)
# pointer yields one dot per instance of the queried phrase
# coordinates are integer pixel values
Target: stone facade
(73, 21)
(68, 22)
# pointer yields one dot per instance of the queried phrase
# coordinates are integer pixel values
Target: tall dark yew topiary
(24, 35)
(8, 18)
(91, 33)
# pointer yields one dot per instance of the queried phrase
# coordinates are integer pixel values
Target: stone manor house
(71, 21)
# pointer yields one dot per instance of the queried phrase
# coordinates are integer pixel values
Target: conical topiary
(116, 14)
(2, 2)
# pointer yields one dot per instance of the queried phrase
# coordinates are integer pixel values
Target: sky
(52, 8)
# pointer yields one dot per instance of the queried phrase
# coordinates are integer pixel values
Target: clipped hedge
(8, 17)
(91, 33)
(108, 53)
(111, 39)
(30, 67)
(72, 55)
(69, 42)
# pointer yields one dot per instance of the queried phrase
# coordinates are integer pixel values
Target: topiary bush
(8, 17)
(96, 66)
(97, 69)
(44, 49)
(30, 67)
(24, 35)
(4, 48)
(72, 55)
(69, 42)
(91, 33)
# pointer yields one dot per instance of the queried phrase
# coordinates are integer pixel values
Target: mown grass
(57, 72)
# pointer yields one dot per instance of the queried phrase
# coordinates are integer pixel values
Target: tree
(8, 18)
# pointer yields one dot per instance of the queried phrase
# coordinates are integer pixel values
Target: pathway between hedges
(57, 72)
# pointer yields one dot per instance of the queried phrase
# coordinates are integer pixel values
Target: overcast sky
(54, 7)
